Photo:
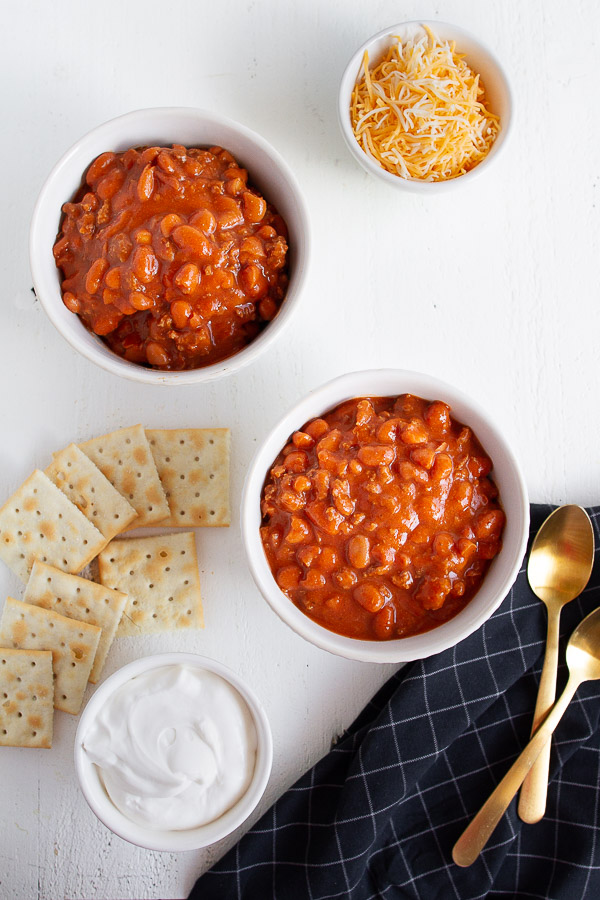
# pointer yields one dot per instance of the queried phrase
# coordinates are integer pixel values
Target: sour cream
(175, 746)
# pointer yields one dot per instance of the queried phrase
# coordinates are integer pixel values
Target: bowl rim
(49, 295)
(348, 81)
(190, 838)
(399, 650)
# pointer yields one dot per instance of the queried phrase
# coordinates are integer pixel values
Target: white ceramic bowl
(191, 838)
(480, 59)
(192, 127)
(507, 475)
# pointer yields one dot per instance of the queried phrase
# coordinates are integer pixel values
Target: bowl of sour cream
(173, 752)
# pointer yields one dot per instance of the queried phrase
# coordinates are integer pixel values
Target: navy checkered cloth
(379, 815)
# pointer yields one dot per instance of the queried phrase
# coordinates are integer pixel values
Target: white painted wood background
(493, 288)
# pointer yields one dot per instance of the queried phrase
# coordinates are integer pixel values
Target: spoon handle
(477, 833)
(532, 802)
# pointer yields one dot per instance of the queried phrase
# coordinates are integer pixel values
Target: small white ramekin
(150, 127)
(507, 476)
(479, 58)
(160, 839)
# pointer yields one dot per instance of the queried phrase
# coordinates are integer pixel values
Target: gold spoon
(583, 660)
(560, 565)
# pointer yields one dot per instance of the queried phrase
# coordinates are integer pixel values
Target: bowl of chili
(385, 517)
(181, 245)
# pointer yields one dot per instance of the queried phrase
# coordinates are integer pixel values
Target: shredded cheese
(420, 113)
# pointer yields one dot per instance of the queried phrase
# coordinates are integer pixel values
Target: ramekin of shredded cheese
(424, 106)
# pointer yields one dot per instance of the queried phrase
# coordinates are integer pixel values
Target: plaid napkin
(378, 816)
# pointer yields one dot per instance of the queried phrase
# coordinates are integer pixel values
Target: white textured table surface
(493, 288)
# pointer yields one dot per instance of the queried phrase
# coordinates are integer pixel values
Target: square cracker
(193, 464)
(78, 599)
(27, 687)
(40, 522)
(124, 458)
(160, 576)
(73, 645)
(91, 492)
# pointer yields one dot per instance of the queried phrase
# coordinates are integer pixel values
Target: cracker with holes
(27, 698)
(160, 576)
(78, 599)
(124, 458)
(40, 522)
(91, 492)
(193, 464)
(73, 645)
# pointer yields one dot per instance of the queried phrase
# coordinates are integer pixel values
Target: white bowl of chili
(268, 175)
(489, 444)
(433, 148)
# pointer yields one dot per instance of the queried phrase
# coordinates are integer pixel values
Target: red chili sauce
(171, 256)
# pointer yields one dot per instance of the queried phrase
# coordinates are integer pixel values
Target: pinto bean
(95, 275)
(369, 596)
(358, 551)
(376, 455)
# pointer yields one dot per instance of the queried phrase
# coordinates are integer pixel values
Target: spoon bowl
(583, 649)
(562, 555)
